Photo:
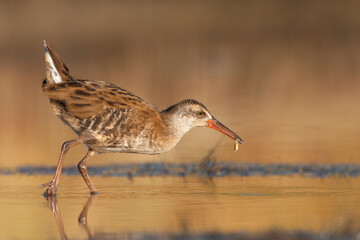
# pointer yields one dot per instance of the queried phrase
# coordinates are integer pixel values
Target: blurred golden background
(282, 74)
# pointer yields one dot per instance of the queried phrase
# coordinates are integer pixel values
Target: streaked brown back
(85, 98)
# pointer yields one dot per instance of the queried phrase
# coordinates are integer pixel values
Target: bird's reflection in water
(54, 207)
(82, 219)
(206, 164)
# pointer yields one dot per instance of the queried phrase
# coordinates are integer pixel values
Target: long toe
(51, 191)
(45, 184)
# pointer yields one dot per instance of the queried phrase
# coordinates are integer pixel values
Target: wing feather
(85, 98)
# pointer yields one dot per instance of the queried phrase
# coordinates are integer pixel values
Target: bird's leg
(55, 181)
(83, 170)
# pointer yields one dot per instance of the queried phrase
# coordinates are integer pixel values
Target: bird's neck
(175, 126)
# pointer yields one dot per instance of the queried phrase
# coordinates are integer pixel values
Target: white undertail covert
(52, 74)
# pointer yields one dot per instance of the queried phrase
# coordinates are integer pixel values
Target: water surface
(164, 206)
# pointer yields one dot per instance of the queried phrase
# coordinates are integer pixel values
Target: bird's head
(191, 113)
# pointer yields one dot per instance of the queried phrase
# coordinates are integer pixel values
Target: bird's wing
(85, 98)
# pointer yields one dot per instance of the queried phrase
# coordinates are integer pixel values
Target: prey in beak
(218, 126)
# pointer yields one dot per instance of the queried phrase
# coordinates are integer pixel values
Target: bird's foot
(46, 184)
(51, 191)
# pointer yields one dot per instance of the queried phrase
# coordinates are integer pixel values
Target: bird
(107, 118)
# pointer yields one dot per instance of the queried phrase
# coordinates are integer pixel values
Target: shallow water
(166, 206)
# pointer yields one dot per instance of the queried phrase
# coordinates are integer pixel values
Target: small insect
(236, 145)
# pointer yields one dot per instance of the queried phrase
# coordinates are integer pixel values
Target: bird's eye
(200, 113)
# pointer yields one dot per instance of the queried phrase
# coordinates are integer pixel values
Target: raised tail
(56, 70)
